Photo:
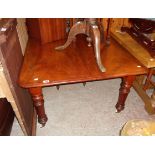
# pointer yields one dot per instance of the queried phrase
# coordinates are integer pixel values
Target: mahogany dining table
(44, 66)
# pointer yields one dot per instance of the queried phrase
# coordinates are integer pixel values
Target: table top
(135, 49)
(44, 66)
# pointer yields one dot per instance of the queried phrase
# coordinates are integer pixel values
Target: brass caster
(119, 108)
(116, 111)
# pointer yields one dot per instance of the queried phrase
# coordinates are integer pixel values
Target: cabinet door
(47, 29)
(11, 58)
(52, 29)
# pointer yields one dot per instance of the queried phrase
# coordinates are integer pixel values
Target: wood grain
(46, 29)
(44, 66)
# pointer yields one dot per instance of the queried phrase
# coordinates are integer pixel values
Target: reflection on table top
(44, 66)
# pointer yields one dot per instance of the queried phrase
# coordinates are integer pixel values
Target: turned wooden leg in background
(108, 31)
(153, 99)
(148, 79)
(38, 102)
(124, 91)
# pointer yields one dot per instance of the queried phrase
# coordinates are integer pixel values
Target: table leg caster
(38, 102)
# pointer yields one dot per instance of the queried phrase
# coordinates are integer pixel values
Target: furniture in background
(93, 29)
(11, 59)
(46, 29)
(146, 59)
(52, 29)
(143, 31)
(6, 117)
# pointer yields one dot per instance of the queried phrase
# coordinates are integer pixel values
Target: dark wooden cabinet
(6, 117)
(46, 29)
(11, 59)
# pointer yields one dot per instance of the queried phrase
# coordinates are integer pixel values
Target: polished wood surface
(33, 28)
(46, 29)
(44, 66)
(93, 29)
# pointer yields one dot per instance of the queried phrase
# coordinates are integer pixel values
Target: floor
(75, 110)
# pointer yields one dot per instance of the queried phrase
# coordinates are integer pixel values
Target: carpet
(75, 110)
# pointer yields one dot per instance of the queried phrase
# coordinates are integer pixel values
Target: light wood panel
(22, 33)
(6, 92)
(11, 59)
(147, 100)
(134, 48)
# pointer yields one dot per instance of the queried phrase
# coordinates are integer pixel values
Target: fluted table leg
(38, 101)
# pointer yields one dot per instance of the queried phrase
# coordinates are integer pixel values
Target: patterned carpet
(75, 110)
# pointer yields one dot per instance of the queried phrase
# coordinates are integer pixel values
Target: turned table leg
(108, 31)
(124, 91)
(38, 102)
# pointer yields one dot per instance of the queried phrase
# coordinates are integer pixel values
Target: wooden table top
(44, 66)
